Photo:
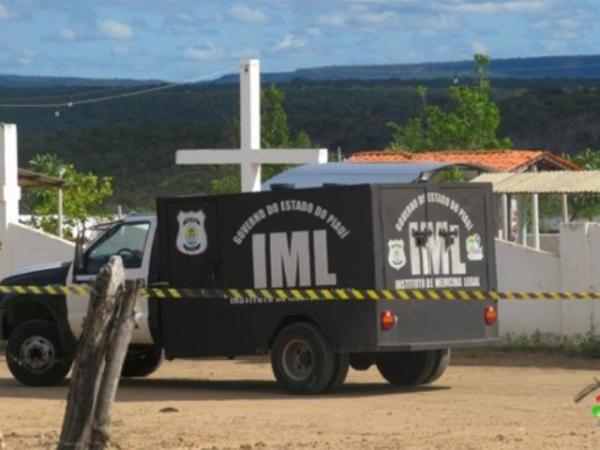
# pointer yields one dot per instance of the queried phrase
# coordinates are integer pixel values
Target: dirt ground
(504, 401)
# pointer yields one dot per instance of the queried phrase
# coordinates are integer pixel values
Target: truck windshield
(126, 240)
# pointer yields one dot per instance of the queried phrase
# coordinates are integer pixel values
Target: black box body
(412, 236)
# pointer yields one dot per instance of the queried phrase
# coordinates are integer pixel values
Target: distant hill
(548, 67)
(558, 67)
(20, 81)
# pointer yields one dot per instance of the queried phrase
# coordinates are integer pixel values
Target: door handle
(448, 236)
(421, 237)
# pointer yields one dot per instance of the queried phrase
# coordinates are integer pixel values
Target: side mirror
(78, 264)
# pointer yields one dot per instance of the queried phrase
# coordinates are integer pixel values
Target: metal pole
(60, 212)
(504, 218)
(523, 219)
(536, 221)
(565, 208)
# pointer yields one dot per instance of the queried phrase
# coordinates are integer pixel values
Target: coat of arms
(396, 254)
(191, 237)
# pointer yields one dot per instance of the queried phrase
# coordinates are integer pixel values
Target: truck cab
(42, 331)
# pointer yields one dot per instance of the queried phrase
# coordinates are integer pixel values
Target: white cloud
(245, 14)
(4, 14)
(501, 6)
(369, 18)
(67, 34)
(313, 31)
(116, 30)
(289, 42)
(203, 52)
(332, 20)
(27, 56)
(562, 27)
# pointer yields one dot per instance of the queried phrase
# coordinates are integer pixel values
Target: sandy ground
(510, 401)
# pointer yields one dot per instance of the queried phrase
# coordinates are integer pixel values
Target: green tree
(585, 206)
(275, 133)
(473, 124)
(83, 195)
(274, 125)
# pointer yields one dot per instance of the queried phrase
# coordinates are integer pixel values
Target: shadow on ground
(177, 389)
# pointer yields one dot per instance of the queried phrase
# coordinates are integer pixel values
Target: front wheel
(142, 361)
(302, 359)
(35, 355)
(406, 368)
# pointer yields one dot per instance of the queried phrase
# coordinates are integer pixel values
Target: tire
(362, 361)
(406, 368)
(340, 371)
(442, 360)
(302, 359)
(35, 356)
(142, 361)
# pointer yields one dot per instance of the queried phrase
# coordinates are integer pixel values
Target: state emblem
(396, 254)
(191, 237)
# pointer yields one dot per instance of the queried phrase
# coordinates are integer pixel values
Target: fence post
(90, 358)
(117, 350)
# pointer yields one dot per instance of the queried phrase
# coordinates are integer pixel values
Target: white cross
(249, 156)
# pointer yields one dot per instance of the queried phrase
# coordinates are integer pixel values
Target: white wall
(21, 246)
(29, 247)
(576, 267)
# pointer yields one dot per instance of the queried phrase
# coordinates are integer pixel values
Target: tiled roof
(500, 160)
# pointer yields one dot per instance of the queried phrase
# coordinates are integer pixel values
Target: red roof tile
(500, 160)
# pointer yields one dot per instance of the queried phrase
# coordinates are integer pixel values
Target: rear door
(440, 238)
(405, 234)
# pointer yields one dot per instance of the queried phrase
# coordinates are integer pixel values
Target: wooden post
(90, 358)
(117, 350)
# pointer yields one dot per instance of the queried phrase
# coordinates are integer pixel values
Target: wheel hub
(37, 353)
(298, 360)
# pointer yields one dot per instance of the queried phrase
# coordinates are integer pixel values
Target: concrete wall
(28, 247)
(576, 267)
(548, 242)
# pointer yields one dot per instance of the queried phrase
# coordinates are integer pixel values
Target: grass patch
(587, 346)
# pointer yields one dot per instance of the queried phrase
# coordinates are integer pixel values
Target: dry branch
(587, 390)
(116, 352)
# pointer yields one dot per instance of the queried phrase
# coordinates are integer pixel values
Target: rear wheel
(340, 371)
(35, 355)
(442, 360)
(406, 368)
(302, 359)
(142, 361)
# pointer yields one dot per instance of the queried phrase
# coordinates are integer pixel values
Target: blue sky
(183, 39)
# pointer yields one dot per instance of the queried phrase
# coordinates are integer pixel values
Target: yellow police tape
(312, 294)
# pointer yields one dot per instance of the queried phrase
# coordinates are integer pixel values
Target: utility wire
(87, 93)
(116, 96)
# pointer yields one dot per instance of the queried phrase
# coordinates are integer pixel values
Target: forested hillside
(134, 139)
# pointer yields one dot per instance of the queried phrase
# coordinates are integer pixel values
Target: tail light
(388, 320)
(490, 315)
